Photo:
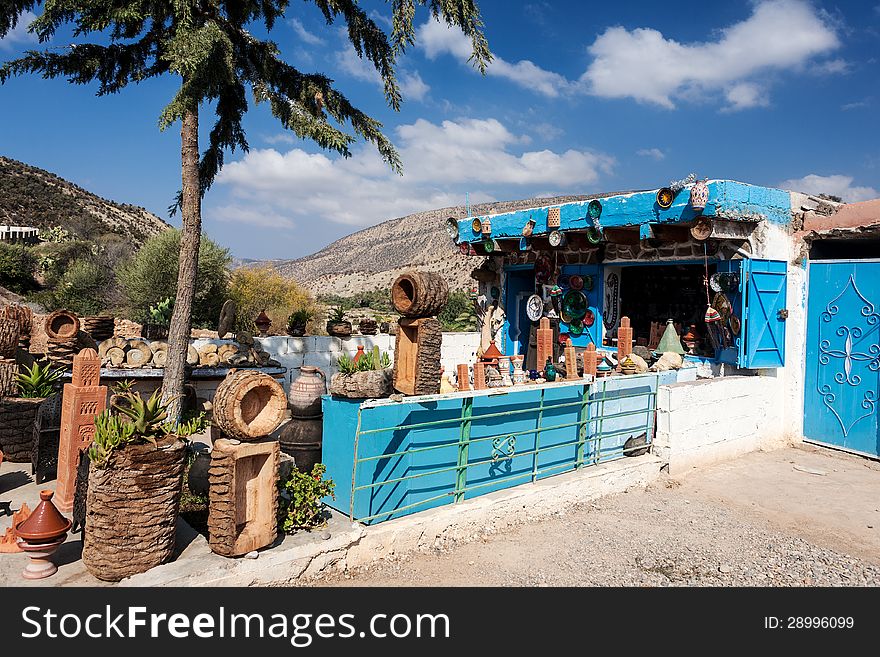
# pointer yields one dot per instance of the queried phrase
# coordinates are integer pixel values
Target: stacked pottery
(603, 369)
(504, 368)
(519, 374)
(302, 438)
(41, 535)
(628, 366)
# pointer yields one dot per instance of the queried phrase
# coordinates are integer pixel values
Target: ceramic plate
(534, 307)
(576, 282)
(574, 304)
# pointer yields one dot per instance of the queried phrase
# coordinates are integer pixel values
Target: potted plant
(296, 323)
(18, 415)
(368, 326)
(156, 327)
(371, 377)
(337, 324)
(300, 498)
(136, 468)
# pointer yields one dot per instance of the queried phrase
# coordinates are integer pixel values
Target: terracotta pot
(302, 438)
(45, 524)
(305, 393)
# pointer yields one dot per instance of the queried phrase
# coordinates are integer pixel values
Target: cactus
(377, 362)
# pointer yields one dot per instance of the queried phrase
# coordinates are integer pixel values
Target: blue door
(842, 379)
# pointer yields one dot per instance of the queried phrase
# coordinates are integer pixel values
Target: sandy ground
(800, 516)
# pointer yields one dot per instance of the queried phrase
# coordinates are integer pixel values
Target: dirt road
(793, 517)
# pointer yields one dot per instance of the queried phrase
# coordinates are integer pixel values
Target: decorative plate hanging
(715, 282)
(665, 198)
(588, 282)
(699, 195)
(574, 304)
(589, 318)
(565, 317)
(489, 245)
(477, 225)
(594, 209)
(465, 248)
(556, 239)
(594, 235)
(534, 308)
(735, 325)
(543, 269)
(722, 304)
(576, 282)
(452, 229)
(702, 228)
(563, 338)
(575, 328)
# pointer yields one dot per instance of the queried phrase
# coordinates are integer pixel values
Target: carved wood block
(242, 496)
(417, 356)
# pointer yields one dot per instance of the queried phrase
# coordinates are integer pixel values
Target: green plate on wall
(574, 304)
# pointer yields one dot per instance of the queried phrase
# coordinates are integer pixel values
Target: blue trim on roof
(728, 199)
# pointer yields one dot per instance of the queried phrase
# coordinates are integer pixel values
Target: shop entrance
(520, 285)
(652, 294)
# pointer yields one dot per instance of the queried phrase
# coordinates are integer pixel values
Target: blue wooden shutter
(733, 353)
(763, 328)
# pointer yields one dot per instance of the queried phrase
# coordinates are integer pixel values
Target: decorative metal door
(842, 382)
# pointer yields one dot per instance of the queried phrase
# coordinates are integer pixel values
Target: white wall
(323, 351)
(708, 420)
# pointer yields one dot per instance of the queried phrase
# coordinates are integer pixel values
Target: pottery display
(306, 390)
(699, 195)
(628, 366)
(41, 535)
(574, 304)
(549, 370)
(504, 368)
(262, 322)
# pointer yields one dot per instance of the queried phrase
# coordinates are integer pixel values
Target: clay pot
(339, 329)
(302, 438)
(305, 393)
(45, 524)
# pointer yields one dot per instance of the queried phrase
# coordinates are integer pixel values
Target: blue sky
(582, 97)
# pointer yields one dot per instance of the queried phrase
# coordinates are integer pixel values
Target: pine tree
(208, 45)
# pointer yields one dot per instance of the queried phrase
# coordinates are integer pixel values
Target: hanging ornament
(528, 228)
(594, 209)
(452, 229)
(486, 227)
(665, 197)
(556, 239)
(476, 225)
(699, 195)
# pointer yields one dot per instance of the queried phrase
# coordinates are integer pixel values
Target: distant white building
(15, 234)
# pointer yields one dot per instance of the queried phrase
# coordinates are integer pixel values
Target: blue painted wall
(485, 474)
(727, 199)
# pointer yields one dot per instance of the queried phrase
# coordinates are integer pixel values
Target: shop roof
(728, 199)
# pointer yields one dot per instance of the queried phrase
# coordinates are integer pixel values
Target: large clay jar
(306, 391)
(302, 438)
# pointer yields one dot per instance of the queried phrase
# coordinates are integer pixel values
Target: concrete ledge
(352, 544)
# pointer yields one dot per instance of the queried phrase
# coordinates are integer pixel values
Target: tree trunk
(181, 318)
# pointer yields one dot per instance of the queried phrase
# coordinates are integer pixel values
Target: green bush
(151, 276)
(17, 267)
(83, 288)
(458, 315)
(299, 504)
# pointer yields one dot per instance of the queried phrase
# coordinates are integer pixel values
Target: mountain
(30, 196)
(373, 257)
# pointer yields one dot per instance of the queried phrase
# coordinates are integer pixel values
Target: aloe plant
(37, 382)
(111, 433)
(146, 416)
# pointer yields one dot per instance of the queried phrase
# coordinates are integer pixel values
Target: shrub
(300, 505)
(151, 276)
(17, 267)
(458, 315)
(82, 289)
(264, 288)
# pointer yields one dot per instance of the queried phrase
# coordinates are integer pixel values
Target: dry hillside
(373, 257)
(30, 196)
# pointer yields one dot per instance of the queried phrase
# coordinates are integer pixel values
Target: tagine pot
(339, 329)
(44, 531)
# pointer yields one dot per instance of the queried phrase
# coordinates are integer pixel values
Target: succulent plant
(37, 382)
(146, 416)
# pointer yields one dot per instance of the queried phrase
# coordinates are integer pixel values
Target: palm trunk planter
(132, 509)
(18, 416)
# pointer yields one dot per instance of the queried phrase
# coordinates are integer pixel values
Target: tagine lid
(45, 522)
(492, 352)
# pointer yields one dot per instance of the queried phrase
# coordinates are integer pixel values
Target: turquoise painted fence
(391, 459)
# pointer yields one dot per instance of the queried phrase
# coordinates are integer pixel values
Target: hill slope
(373, 257)
(30, 196)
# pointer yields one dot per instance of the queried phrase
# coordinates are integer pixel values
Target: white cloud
(438, 39)
(832, 67)
(653, 153)
(441, 163)
(304, 35)
(357, 67)
(412, 86)
(19, 35)
(854, 105)
(547, 131)
(281, 138)
(836, 185)
(644, 65)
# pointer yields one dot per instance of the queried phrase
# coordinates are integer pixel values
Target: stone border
(300, 557)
